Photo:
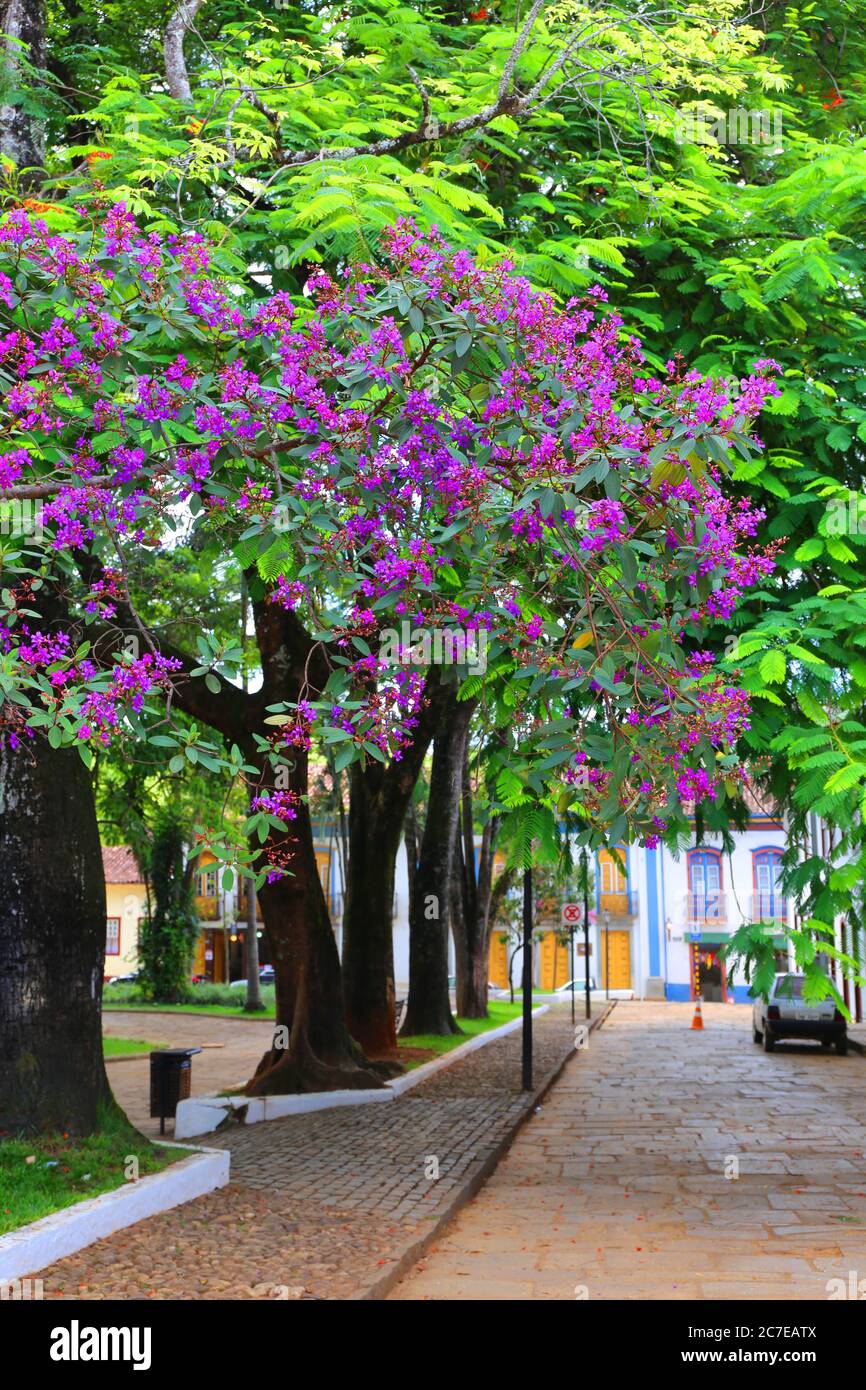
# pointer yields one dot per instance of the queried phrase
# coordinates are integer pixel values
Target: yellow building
(125, 906)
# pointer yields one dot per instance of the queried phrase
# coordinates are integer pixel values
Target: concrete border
(427, 1069)
(204, 1114)
(417, 1248)
(33, 1247)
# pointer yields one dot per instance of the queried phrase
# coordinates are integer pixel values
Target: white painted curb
(204, 1114)
(31, 1248)
(419, 1074)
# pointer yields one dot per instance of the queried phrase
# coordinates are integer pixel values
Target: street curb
(413, 1252)
(30, 1248)
(203, 1115)
(856, 1046)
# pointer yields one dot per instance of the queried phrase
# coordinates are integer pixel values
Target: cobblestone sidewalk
(320, 1205)
(673, 1164)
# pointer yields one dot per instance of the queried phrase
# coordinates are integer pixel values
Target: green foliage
(724, 252)
(168, 933)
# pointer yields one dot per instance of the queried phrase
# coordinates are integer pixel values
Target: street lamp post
(527, 979)
(586, 934)
(606, 919)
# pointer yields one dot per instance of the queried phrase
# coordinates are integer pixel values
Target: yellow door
(198, 960)
(498, 961)
(616, 950)
(553, 962)
(323, 862)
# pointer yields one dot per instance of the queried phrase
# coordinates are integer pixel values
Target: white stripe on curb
(203, 1114)
(31, 1248)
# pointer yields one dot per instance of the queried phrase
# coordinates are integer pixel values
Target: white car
(786, 1014)
(579, 986)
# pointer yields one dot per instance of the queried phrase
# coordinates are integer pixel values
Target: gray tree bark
(22, 135)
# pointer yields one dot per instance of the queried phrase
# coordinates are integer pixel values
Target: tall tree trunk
(429, 1009)
(475, 902)
(52, 943)
(312, 1049)
(22, 135)
(378, 800)
(254, 1002)
(375, 821)
(470, 930)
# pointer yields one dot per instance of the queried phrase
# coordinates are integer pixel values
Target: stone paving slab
(324, 1205)
(613, 1191)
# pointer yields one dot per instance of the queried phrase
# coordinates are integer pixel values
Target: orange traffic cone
(697, 1021)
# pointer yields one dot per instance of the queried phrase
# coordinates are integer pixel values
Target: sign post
(585, 865)
(571, 915)
(527, 980)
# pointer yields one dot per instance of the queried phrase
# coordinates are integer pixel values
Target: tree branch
(179, 25)
(507, 102)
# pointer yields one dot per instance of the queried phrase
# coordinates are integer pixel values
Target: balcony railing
(769, 907)
(706, 907)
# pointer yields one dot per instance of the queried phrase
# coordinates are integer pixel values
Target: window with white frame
(112, 936)
(207, 883)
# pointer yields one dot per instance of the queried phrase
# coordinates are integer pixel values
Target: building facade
(657, 920)
(125, 907)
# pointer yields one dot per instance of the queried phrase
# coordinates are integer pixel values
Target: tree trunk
(429, 1009)
(22, 136)
(375, 822)
(312, 1049)
(378, 800)
(52, 944)
(254, 1002)
(471, 950)
(475, 902)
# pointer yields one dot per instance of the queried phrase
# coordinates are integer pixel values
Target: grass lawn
(210, 1000)
(128, 1047)
(210, 1010)
(500, 1011)
(63, 1170)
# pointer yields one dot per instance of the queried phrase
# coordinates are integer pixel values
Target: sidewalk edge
(418, 1247)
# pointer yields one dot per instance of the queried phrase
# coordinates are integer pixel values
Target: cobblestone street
(618, 1187)
(320, 1204)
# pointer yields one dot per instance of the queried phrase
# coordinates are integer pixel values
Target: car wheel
(842, 1047)
(769, 1041)
(756, 1036)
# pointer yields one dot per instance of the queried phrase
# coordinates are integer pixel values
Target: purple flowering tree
(425, 441)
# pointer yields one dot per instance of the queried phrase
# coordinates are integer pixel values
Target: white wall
(737, 888)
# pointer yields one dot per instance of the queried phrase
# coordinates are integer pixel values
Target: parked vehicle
(266, 977)
(129, 979)
(579, 986)
(786, 1014)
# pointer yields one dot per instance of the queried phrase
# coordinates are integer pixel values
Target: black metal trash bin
(170, 1077)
